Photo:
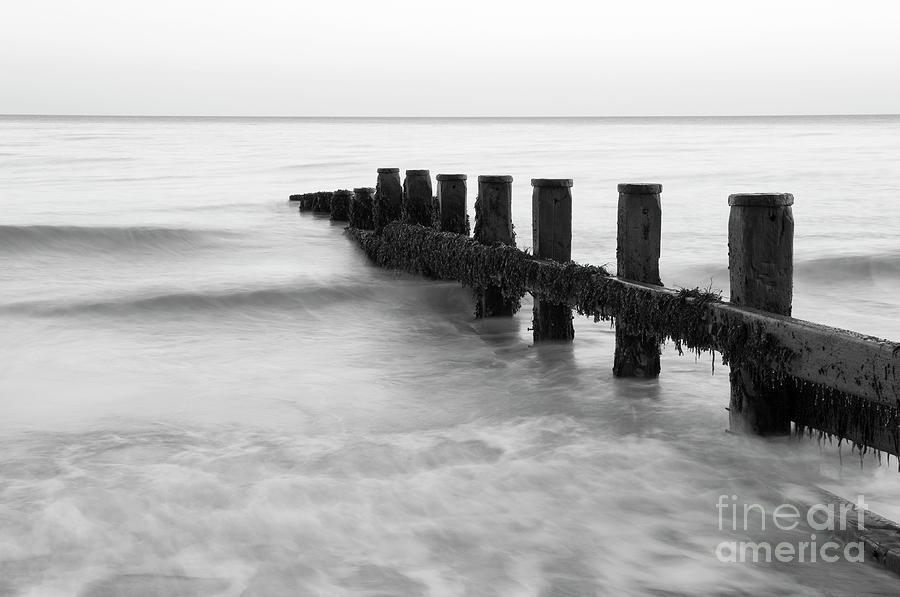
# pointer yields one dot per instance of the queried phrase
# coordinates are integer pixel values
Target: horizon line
(472, 117)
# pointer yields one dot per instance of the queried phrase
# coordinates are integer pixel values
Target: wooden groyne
(783, 370)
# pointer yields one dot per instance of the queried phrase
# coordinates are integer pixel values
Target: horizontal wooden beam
(846, 361)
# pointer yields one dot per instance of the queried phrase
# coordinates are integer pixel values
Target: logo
(823, 519)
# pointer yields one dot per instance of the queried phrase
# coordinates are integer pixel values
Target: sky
(454, 58)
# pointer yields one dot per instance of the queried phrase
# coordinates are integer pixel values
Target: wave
(855, 268)
(314, 295)
(833, 269)
(104, 238)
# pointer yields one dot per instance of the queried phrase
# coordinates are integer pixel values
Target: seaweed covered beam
(848, 383)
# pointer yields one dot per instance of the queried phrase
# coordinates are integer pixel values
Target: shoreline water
(311, 423)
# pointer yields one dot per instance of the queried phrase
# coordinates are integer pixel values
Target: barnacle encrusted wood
(849, 383)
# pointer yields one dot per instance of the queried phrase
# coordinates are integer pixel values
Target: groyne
(786, 375)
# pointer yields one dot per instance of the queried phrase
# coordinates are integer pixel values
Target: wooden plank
(845, 361)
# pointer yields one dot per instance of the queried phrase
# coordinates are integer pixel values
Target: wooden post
(417, 197)
(340, 205)
(308, 201)
(551, 212)
(451, 198)
(323, 202)
(637, 257)
(761, 266)
(388, 198)
(493, 225)
(361, 208)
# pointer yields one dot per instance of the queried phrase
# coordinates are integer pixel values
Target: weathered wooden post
(307, 201)
(451, 197)
(388, 198)
(323, 202)
(340, 205)
(637, 258)
(417, 197)
(493, 225)
(761, 266)
(361, 208)
(551, 213)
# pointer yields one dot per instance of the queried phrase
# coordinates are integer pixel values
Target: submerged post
(761, 266)
(638, 239)
(493, 225)
(417, 197)
(361, 208)
(340, 205)
(388, 198)
(451, 198)
(551, 212)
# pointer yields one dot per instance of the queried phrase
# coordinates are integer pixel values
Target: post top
(451, 177)
(388, 170)
(640, 188)
(551, 182)
(343, 192)
(323, 193)
(418, 173)
(495, 178)
(761, 199)
(361, 190)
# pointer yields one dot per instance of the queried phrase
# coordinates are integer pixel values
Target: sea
(205, 392)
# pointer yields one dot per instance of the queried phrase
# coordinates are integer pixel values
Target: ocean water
(204, 392)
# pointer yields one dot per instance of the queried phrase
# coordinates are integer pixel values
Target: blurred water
(204, 392)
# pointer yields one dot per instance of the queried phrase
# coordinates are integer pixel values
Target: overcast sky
(454, 58)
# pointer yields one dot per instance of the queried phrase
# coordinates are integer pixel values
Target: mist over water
(206, 393)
